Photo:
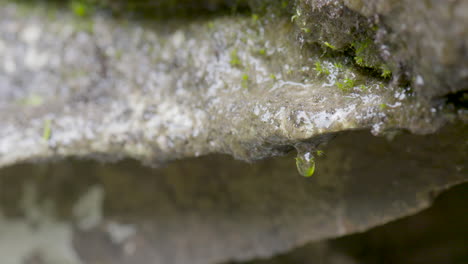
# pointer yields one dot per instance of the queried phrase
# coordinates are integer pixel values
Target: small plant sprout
(211, 25)
(383, 106)
(359, 61)
(80, 8)
(360, 50)
(360, 47)
(262, 52)
(273, 77)
(362, 87)
(296, 16)
(235, 60)
(305, 162)
(255, 18)
(118, 54)
(329, 45)
(386, 72)
(32, 100)
(341, 86)
(338, 65)
(349, 82)
(245, 81)
(346, 85)
(320, 69)
(46, 131)
(305, 30)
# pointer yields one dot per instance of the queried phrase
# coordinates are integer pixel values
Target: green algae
(245, 81)
(321, 69)
(328, 45)
(47, 131)
(235, 59)
(346, 85)
(81, 8)
(32, 100)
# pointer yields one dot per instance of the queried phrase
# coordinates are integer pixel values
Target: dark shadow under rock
(436, 235)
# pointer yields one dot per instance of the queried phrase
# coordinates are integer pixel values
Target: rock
(157, 92)
(422, 238)
(179, 93)
(425, 43)
(213, 209)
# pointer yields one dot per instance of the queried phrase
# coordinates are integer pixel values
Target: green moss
(47, 131)
(346, 85)
(359, 61)
(320, 69)
(255, 18)
(86, 25)
(118, 54)
(361, 46)
(210, 25)
(153, 9)
(32, 100)
(81, 8)
(362, 87)
(296, 15)
(360, 51)
(338, 65)
(386, 72)
(235, 60)
(328, 45)
(364, 58)
(245, 81)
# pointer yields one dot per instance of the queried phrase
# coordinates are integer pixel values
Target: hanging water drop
(305, 163)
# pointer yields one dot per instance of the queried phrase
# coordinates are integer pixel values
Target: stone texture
(213, 209)
(179, 93)
(156, 91)
(435, 235)
(422, 42)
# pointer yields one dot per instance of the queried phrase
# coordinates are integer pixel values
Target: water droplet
(305, 163)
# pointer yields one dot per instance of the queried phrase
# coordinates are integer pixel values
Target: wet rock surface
(370, 97)
(161, 91)
(423, 42)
